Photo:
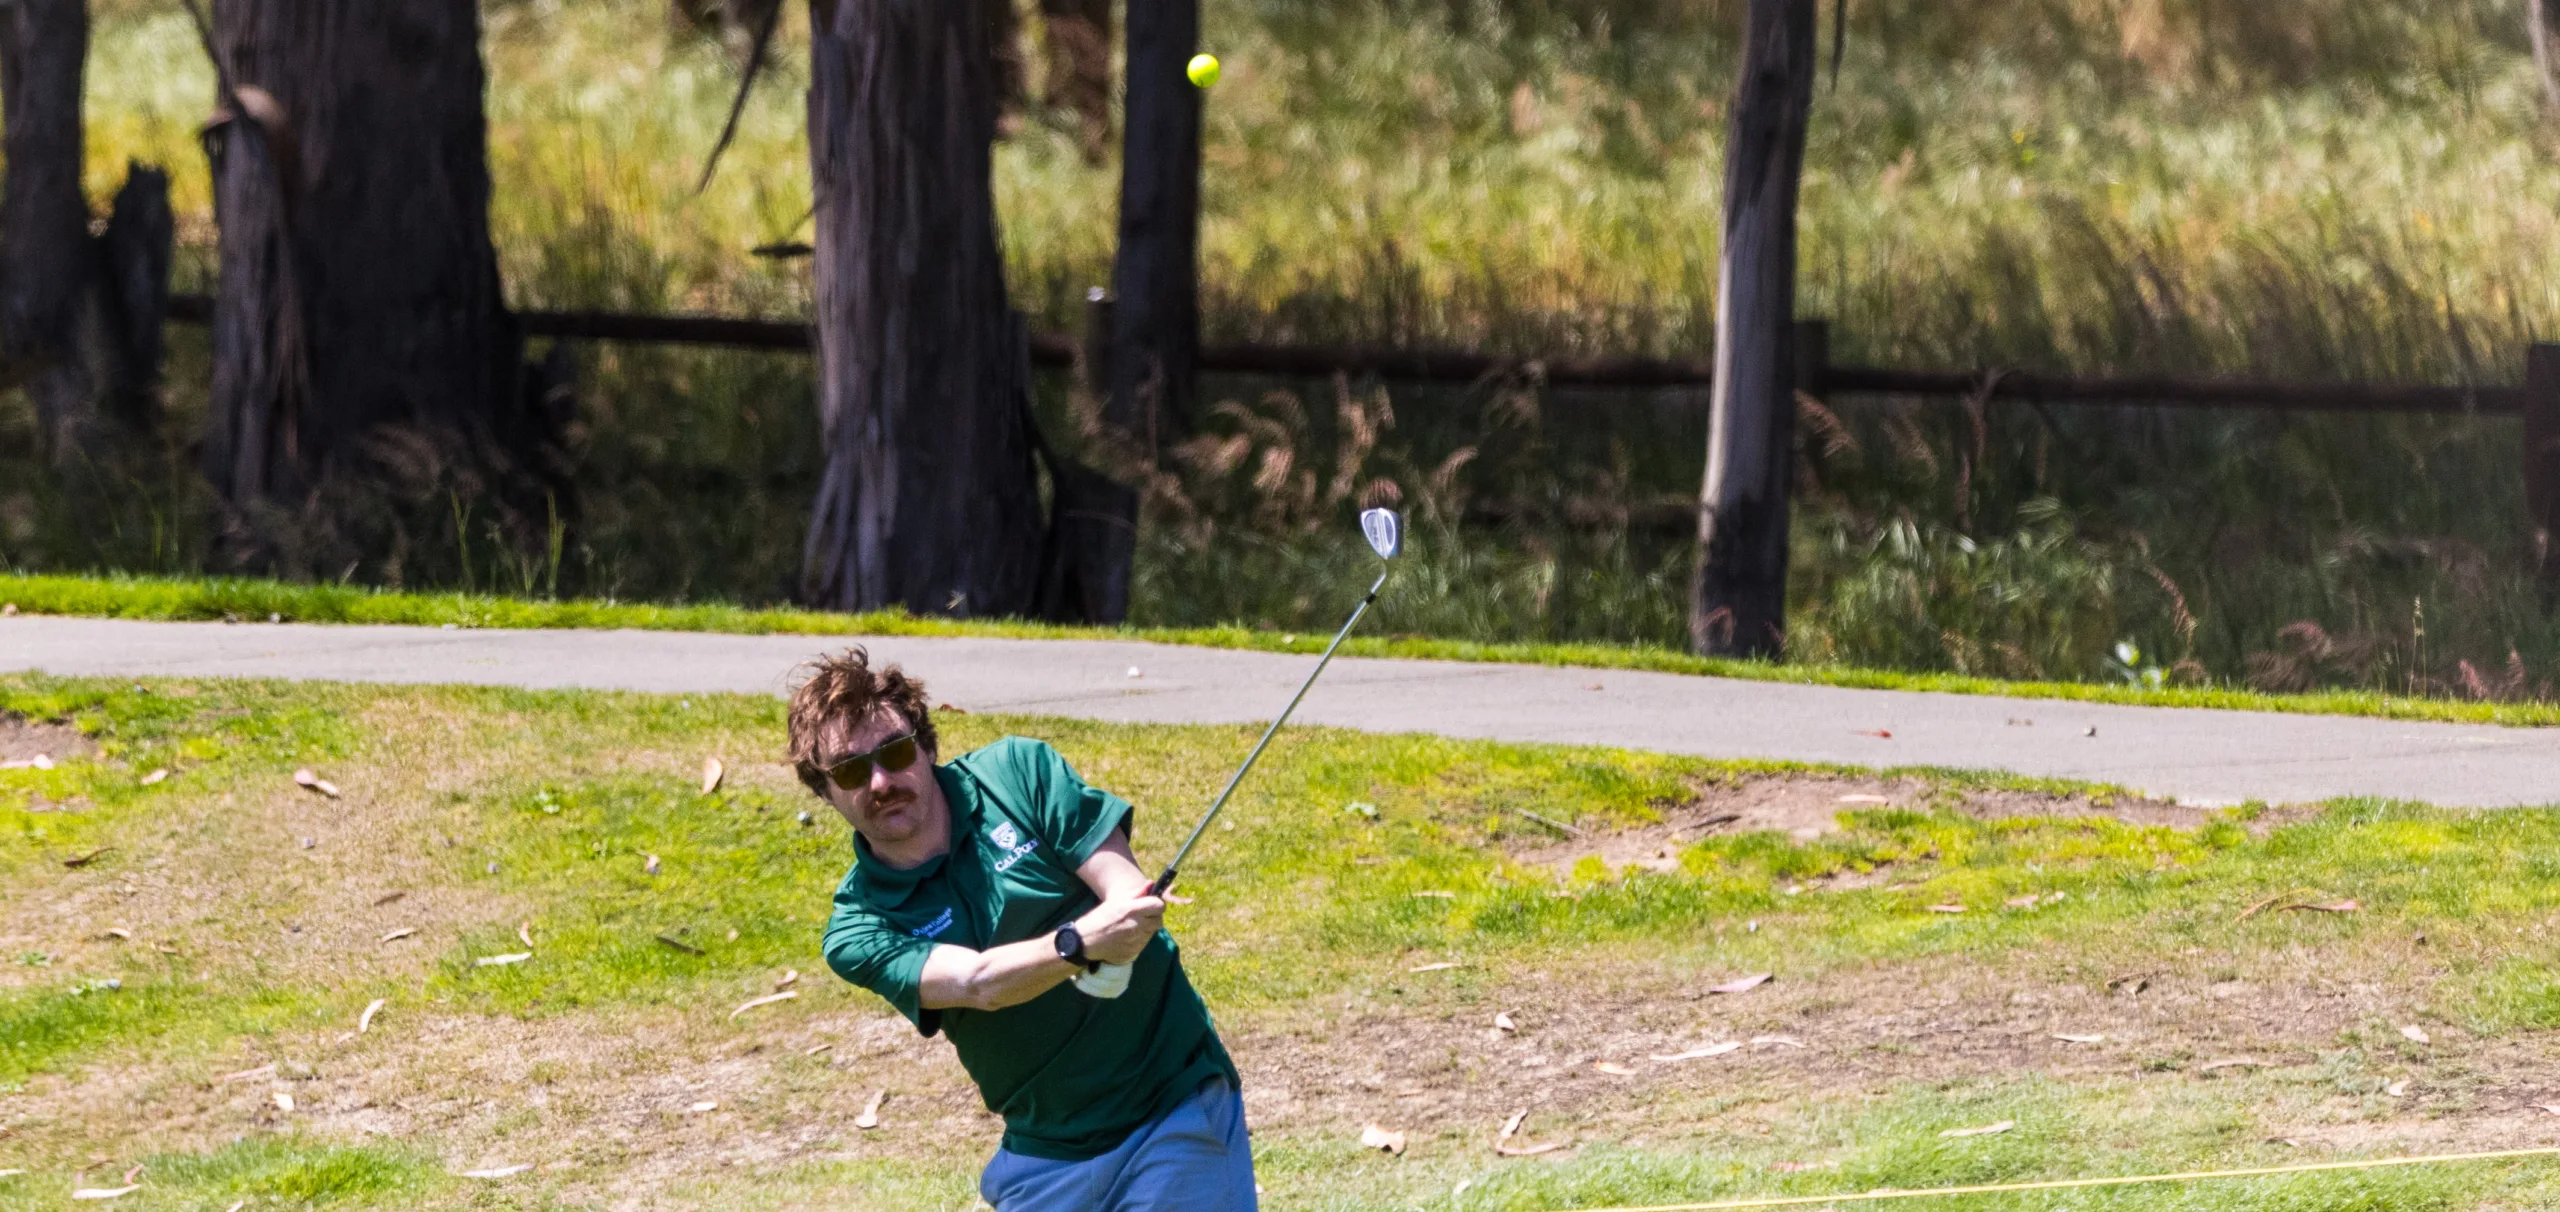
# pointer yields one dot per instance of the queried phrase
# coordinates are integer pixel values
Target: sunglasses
(853, 772)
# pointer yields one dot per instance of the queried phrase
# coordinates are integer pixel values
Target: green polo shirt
(1072, 1076)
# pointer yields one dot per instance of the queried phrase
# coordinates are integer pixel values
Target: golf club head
(1384, 530)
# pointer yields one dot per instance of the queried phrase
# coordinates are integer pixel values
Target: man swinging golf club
(995, 899)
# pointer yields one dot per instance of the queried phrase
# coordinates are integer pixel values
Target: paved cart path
(2197, 756)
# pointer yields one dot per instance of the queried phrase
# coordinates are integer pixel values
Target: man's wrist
(1069, 943)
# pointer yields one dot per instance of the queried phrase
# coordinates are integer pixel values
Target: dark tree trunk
(45, 251)
(2542, 25)
(1155, 277)
(928, 499)
(1738, 597)
(1077, 71)
(133, 295)
(359, 291)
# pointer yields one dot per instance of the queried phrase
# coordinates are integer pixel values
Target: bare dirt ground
(1807, 806)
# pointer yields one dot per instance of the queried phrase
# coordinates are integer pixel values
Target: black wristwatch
(1070, 943)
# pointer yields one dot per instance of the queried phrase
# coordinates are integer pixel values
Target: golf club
(1385, 532)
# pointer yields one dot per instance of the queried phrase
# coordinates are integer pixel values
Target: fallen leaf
(364, 1021)
(1984, 1130)
(1699, 1053)
(766, 1000)
(652, 867)
(134, 1173)
(814, 1049)
(1613, 1069)
(388, 897)
(283, 1101)
(118, 933)
(1779, 1041)
(789, 978)
(1438, 895)
(1374, 1137)
(679, 944)
(2024, 902)
(704, 1105)
(494, 961)
(41, 761)
(2398, 1088)
(2553, 1108)
(394, 935)
(1439, 967)
(1862, 799)
(1950, 907)
(1876, 732)
(309, 781)
(236, 1205)
(2415, 1034)
(83, 860)
(103, 1192)
(712, 773)
(524, 932)
(2232, 1062)
(2262, 906)
(2068, 1038)
(1512, 1125)
(950, 708)
(870, 1117)
(1743, 984)
(1502, 1021)
(2131, 982)
(1527, 1150)
(155, 777)
(11, 1173)
(497, 1172)
(247, 1074)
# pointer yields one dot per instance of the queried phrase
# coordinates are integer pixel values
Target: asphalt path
(2195, 756)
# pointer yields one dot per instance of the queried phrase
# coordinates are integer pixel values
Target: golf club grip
(1162, 882)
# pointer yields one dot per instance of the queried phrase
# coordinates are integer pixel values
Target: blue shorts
(1194, 1159)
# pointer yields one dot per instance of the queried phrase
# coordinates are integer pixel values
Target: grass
(2178, 186)
(249, 600)
(501, 815)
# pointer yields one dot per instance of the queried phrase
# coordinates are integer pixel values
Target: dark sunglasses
(853, 772)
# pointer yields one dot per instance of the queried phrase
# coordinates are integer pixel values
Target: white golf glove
(1106, 982)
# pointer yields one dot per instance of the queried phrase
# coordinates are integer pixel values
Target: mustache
(892, 799)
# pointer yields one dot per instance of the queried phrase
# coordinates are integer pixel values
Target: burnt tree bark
(1076, 72)
(45, 251)
(1155, 277)
(929, 498)
(1738, 594)
(359, 290)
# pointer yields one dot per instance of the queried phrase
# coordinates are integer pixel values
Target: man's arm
(1114, 931)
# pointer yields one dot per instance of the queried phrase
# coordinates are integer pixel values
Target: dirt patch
(1805, 807)
(24, 740)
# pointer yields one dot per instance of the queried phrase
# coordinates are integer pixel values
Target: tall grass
(2322, 188)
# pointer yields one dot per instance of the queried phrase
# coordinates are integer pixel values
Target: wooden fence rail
(1058, 351)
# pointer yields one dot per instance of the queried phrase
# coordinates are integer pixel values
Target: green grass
(1306, 923)
(251, 601)
(2206, 186)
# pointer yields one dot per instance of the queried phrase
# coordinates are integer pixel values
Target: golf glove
(1106, 982)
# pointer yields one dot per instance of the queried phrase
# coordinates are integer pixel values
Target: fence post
(2542, 464)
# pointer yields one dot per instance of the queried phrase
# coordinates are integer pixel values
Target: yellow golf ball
(1203, 70)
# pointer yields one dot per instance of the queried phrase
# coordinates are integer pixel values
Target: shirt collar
(889, 887)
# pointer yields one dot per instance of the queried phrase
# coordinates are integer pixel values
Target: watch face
(1070, 943)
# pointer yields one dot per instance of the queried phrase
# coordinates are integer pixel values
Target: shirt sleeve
(869, 952)
(1072, 816)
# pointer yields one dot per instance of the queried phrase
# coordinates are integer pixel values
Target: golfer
(980, 889)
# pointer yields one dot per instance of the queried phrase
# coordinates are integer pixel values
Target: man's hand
(1116, 931)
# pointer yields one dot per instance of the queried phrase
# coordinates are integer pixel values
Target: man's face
(896, 805)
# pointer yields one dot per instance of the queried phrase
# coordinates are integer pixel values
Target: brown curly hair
(843, 687)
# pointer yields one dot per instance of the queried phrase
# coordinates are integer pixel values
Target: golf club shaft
(1174, 868)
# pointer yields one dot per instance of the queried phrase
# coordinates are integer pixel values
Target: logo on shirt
(1010, 840)
(934, 928)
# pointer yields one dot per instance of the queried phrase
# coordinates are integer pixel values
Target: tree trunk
(928, 499)
(45, 251)
(1077, 71)
(133, 257)
(1155, 279)
(2542, 24)
(1737, 602)
(359, 292)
